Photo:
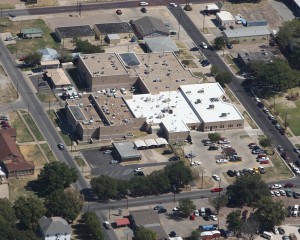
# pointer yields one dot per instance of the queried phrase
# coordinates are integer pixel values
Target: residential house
(31, 32)
(54, 228)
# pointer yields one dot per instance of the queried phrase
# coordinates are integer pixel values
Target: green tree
(65, 56)
(7, 212)
(219, 42)
(160, 182)
(143, 233)
(219, 202)
(214, 70)
(64, 203)
(186, 206)
(93, 225)
(247, 190)
(104, 187)
(270, 213)
(29, 211)
(214, 136)
(250, 228)
(234, 221)
(265, 142)
(33, 58)
(223, 78)
(84, 46)
(55, 176)
(195, 235)
(179, 174)
(141, 186)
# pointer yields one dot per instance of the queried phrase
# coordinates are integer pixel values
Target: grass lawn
(2, 71)
(179, 44)
(231, 96)
(17, 187)
(42, 3)
(200, 74)
(25, 46)
(46, 98)
(280, 170)
(23, 135)
(249, 120)
(66, 139)
(207, 182)
(7, 6)
(33, 127)
(185, 54)
(48, 152)
(293, 116)
(33, 153)
(8, 93)
(228, 59)
(53, 117)
(80, 162)
(189, 63)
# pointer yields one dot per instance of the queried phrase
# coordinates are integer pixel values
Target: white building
(225, 19)
(55, 228)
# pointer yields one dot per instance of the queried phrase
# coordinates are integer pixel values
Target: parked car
(144, 4)
(296, 149)
(221, 160)
(107, 225)
(275, 186)
(206, 218)
(212, 148)
(229, 46)
(222, 28)
(280, 148)
(143, 10)
(261, 170)
(213, 218)
(107, 151)
(281, 230)
(190, 155)
(174, 158)
(230, 173)
(173, 234)
(204, 45)
(173, 4)
(216, 177)
(264, 162)
(285, 156)
(289, 193)
(114, 161)
(167, 151)
(119, 12)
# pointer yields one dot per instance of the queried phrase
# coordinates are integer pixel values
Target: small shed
(31, 32)
(122, 222)
(113, 38)
(151, 143)
(225, 18)
(125, 151)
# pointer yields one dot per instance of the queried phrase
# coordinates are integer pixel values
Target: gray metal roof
(161, 44)
(149, 25)
(127, 150)
(54, 225)
(247, 32)
(130, 59)
(76, 31)
(110, 28)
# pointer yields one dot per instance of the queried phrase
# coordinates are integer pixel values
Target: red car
(4, 123)
(264, 162)
(217, 190)
(288, 185)
(285, 156)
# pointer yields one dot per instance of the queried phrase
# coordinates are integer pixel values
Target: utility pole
(285, 121)
(203, 22)
(219, 204)
(80, 9)
(179, 23)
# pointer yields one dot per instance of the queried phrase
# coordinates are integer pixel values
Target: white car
(275, 186)
(195, 163)
(107, 225)
(144, 4)
(282, 192)
(107, 151)
(213, 217)
(138, 169)
(296, 170)
(277, 193)
(173, 4)
(275, 231)
(272, 193)
(216, 177)
(226, 146)
(196, 213)
(221, 160)
(204, 45)
(256, 99)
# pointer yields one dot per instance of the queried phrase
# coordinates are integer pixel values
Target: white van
(267, 235)
(202, 211)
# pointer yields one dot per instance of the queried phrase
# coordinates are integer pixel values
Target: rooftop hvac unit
(198, 101)
(91, 121)
(223, 114)
(211, 106)
(188, 92)
(80, 105)
(201, 91)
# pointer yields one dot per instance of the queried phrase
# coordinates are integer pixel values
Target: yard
(25, 46)
(48, 152)
(33, 127)
(33, 153)
(23, 135)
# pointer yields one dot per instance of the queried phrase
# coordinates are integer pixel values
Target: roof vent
(211, 106)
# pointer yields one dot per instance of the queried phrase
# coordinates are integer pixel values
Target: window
(222, 126)
(239, 125)
(230, 125)
(253, 39)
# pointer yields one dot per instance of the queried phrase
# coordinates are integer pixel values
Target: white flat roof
(155, 109)
(206, 100)
(225, 16)
(247, 32)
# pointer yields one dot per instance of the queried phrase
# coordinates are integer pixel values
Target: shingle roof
(31, 30)
(8, 147)
(54, 225)
(247, 32)
(76, 31)
(148, 25)
(111, 28)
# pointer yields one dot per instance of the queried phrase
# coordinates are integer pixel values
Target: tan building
(225, 19)
(123, 29)
(103, 70)
(66, 34)
(247, 35)
(58, 78)
(102, 117)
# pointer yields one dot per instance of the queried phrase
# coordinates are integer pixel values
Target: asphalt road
(90, 7)
(37, 111)
(236, 87)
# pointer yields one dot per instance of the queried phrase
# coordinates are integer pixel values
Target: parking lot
(40, 83)
(100, 164)
(239, 140)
